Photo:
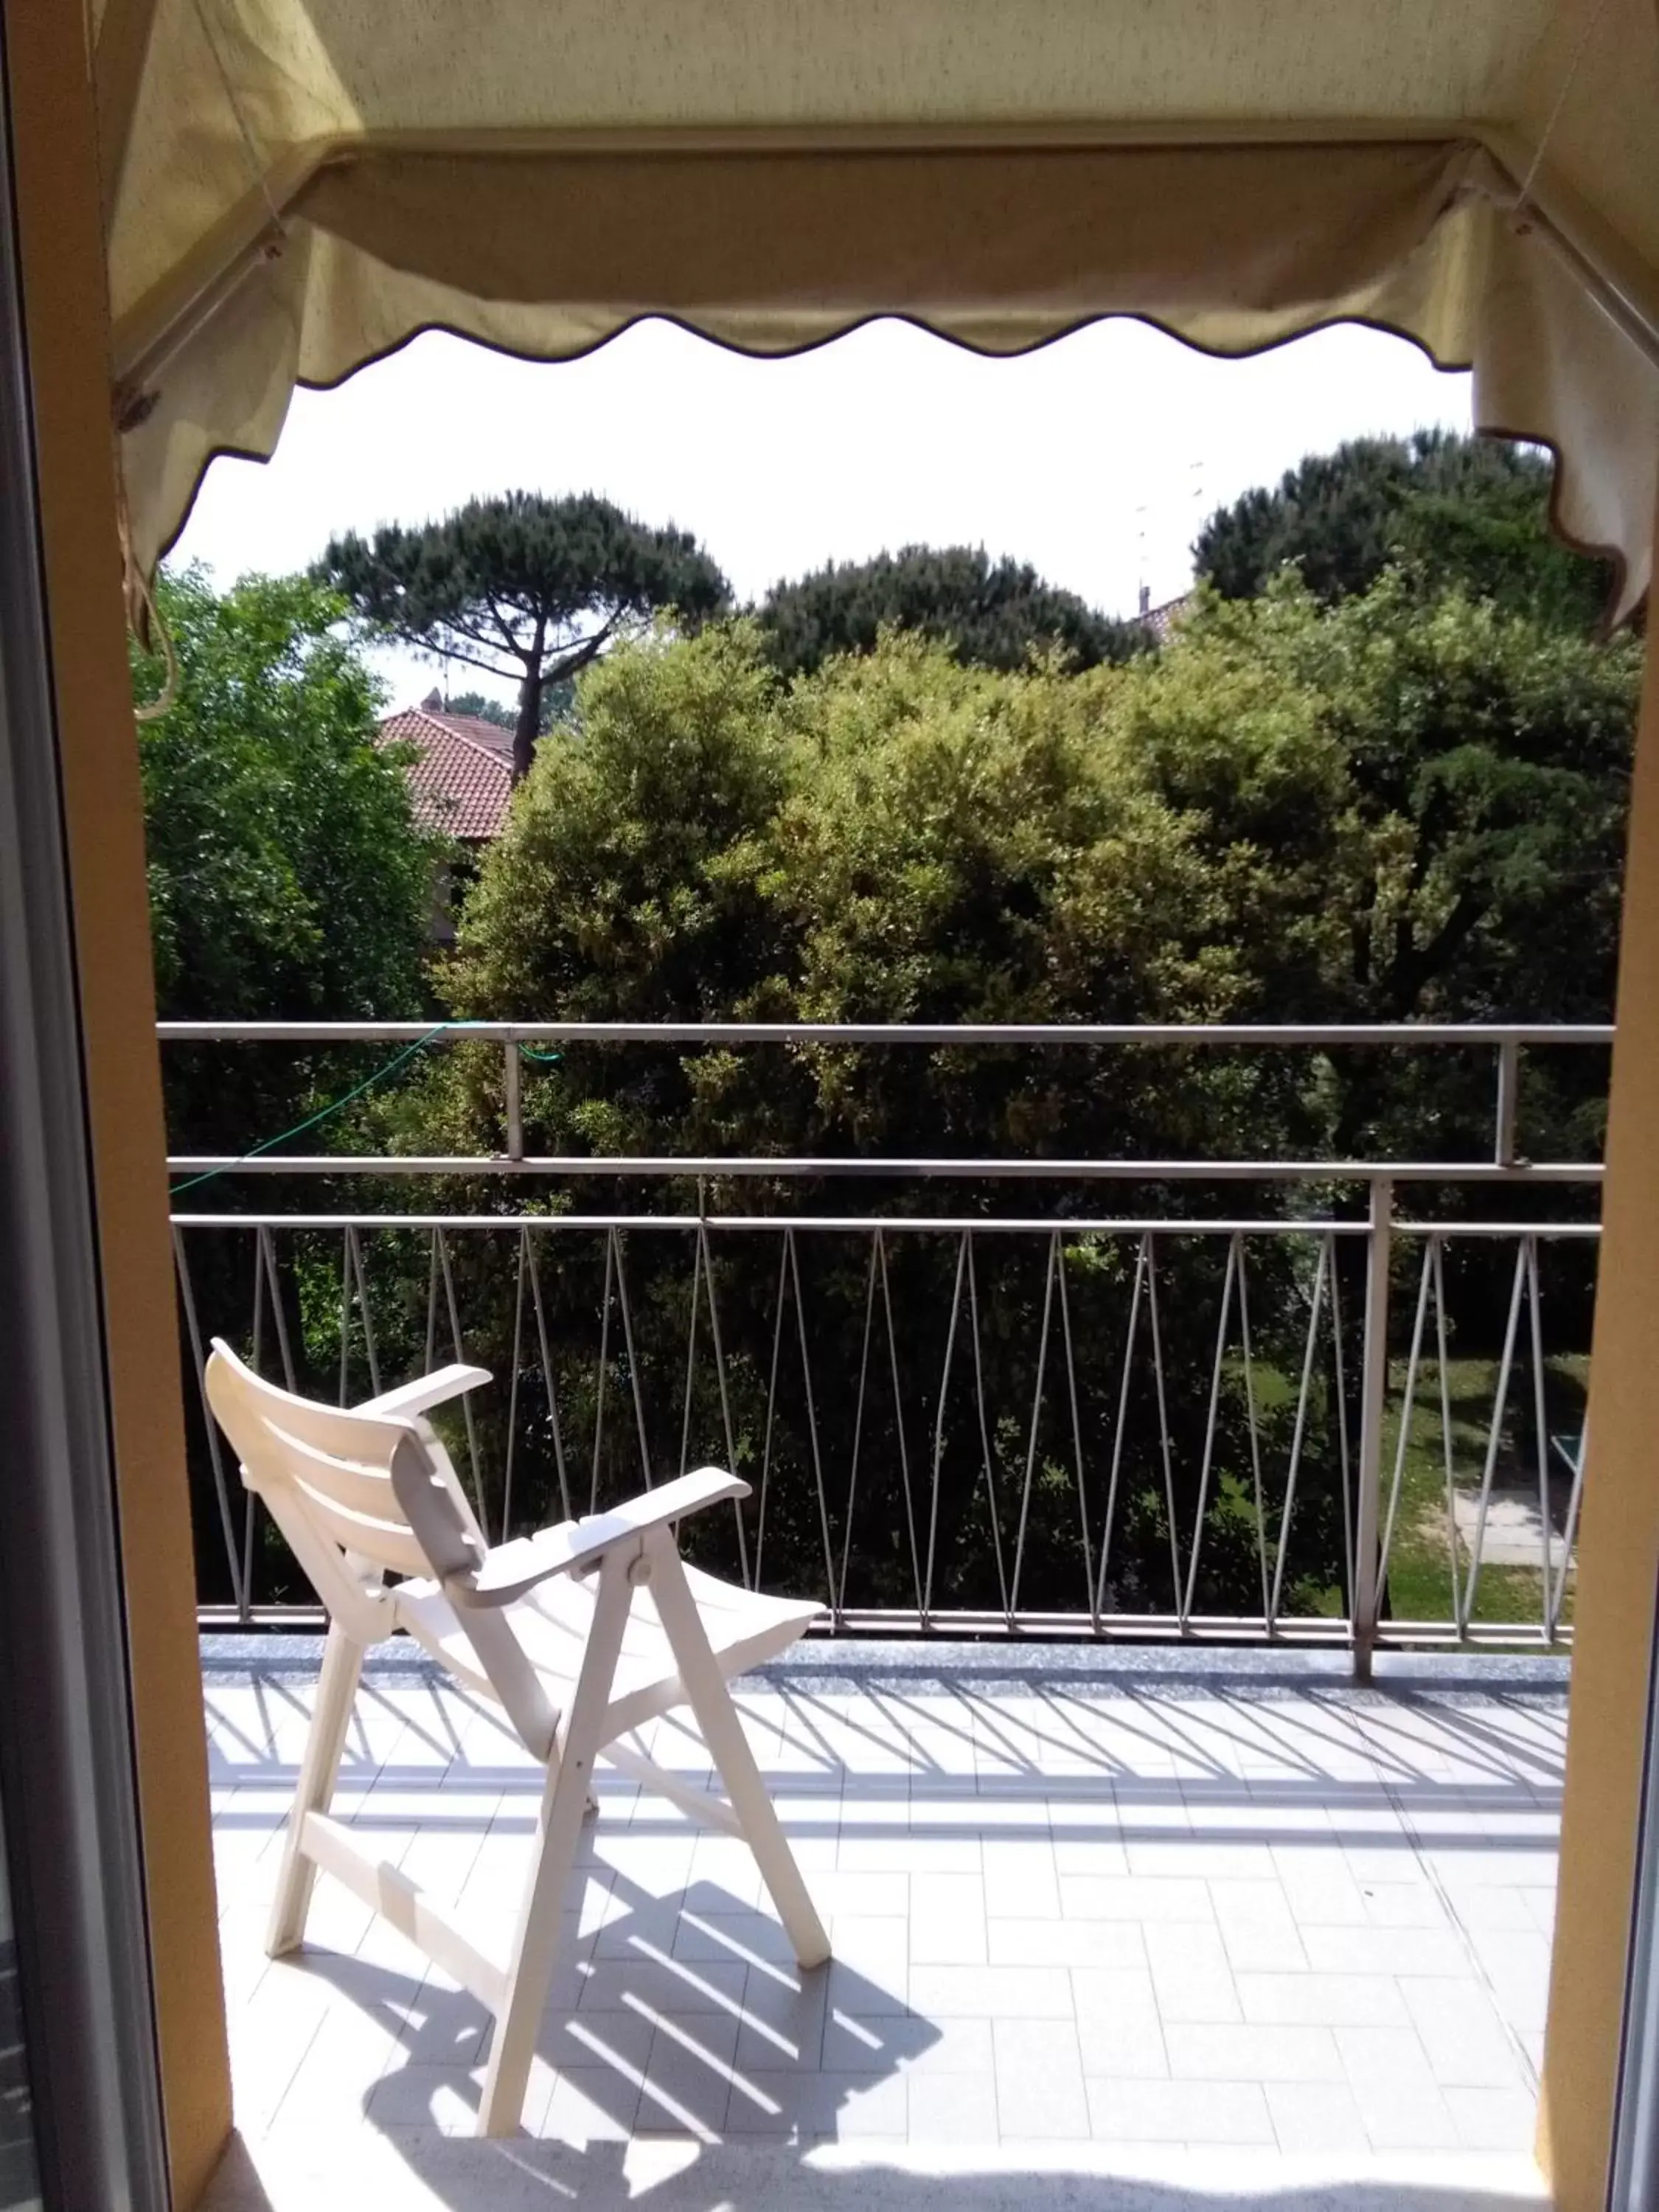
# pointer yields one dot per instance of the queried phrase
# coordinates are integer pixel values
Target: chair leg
(558, 1830)
(722, 1731)
(336, 1687)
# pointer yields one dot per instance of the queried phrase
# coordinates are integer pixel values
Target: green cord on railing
(529, 1052)
(321, 1115)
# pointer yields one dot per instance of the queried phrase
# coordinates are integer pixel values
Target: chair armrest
(509, 1569)
(426, 1390)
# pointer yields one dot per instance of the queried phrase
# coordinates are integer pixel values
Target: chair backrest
(331, 1478)
(326, 1475)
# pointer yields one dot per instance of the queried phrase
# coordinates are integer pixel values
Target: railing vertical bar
(549, 1383)
(355, 1247)
(632, 1361)
(898, 1420)
(812, 1424)
(1037, 1417)
(285, 1352)
(1542, 1417)
(1250, 1423)
(991, 1501)
(725, 1396)
(771, 1406)
(1495, 1435)
(1449, 1453)
(691, 1353)
(1569, 1534)
(1142, 1252)
(1210, 1425)
(1310, 1352)
(512, 1098)
(1164, 1430)
(1408, 1414)
(838, 1598)
(1508, 1102)
(1344, 1457)
(1373, 1405)
(239, 1588)
(510, 1455)
(459, 1347)
(938, 1428)
(602, 1377)
(345, 1317)
(1077, 1436)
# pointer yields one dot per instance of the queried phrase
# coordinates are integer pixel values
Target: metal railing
(1237, 1426)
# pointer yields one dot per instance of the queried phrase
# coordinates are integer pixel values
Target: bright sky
(1095, 459)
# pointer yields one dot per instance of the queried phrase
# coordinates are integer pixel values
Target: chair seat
(553, 1621)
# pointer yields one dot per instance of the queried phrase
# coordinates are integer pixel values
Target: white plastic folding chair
(581, 1633)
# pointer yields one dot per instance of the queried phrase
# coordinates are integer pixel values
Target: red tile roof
(462, 776)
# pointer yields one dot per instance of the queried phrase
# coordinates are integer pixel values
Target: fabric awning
(294, 187)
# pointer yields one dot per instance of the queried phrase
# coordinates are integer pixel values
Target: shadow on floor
(421, 2171)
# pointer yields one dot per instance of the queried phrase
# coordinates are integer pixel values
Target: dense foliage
(523, 586)
(287, 878)
(992, 614)
(1468, 511)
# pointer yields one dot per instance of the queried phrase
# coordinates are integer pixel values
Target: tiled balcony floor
(1189, 1936)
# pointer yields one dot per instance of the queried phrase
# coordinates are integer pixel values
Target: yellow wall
(1618, 1555)
(57, 175)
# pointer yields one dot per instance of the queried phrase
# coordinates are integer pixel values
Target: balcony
(1221, 1922)
(1178, 1771)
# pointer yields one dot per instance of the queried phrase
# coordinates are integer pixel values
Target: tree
(557, 701)
(992, 615)
(482, 707)
(287, 878)
(523, 586)
(1468, 511)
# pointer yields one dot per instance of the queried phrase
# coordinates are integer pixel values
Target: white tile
(1065, 1943)
(1039, 2077)
(1119, 2030)
(1493, 2119)
(1395, 2090)
(1086, 1896)
(1258, 1928)
(1461, 2035)
(952, 2108)
(1317, 2117)
(993, 1992)
(1405, 1905)
(1386, 1951)
(1020, 1881)
(1180, 2112)
(1191, 1974)
(1322, 2000)
(1252, 2054)
(947, 1921)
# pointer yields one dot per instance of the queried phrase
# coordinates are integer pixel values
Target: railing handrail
(1409, 1034)
(796, 1167)
(933, 1224)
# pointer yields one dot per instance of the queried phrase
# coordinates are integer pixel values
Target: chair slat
(386, 1544)
(359, 1487)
